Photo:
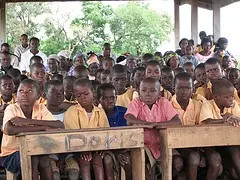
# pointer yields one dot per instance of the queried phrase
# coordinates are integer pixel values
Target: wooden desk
(64, 141)
(194, 136)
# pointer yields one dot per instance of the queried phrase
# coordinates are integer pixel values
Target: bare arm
(174, 121)
(132, 120)
(214, 121)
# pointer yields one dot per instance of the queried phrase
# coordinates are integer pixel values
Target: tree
(137, 29)
(22, 18)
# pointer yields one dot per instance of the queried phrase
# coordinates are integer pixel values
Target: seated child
(152, 109)
(189, 57)
(34, 59)
(119, 80)
(189, 68)
(105, 76)
(95, 85)
(167, 78)
(98, 75)
(137, 76)
(16, 77)
(53, 64)
(200, 75)
(107, 63)
(68, 83)
(227, 63)
(234, 76)
(145, 58)
(222, 109)
(86, 115)
(153, 70)
(178, 70)
(107, 97)
(92, 68)
(26, 116)
(80, 72)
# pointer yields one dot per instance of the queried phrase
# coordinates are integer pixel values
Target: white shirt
(25, 60)
(19, 50)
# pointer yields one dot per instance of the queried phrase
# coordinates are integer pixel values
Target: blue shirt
(118, 119)
(193, 60)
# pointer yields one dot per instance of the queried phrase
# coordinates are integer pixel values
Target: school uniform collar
(80, 108)
(176, 105)
(36, 109)
(215, 106)
(142, 104)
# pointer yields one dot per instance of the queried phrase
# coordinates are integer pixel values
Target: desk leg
(138, 163)
(166, 157)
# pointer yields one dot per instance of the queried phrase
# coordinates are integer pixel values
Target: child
(80, 72)
(152, 109)
(178, 70)
(200, 75)
(137, 76)
(189, 68)
(189, 57)
(98, 75)
(107, 63)
(53, 64)
(145, 58)
(167, 78)
(58, 77)
(105, 76)
(182, 44)
(68, 83)
(15, 74)
(95, 85)
(92, 68)
(26, 116)
(234, 76)
(227, 63)
(119, 80)
(86, 115)
(153, 70)
(107, 97)
(222, 109)
(131, 63)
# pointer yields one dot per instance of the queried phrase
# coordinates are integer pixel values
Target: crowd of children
(192, 86)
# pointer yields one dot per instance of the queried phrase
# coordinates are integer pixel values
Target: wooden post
(176, 23)
(194, 21)
(216, 19)
(2, 21)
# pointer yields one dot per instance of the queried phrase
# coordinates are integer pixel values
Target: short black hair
(120, 59)
(34, 39)
(148, 56)
(23, 77)
(178, 70)
(166, 70)
(191, 42)
(39, 58)
(24, 35)
(222, 40)
(95, 84)
(225, 57)
(104, 87)
(205, 40)
(212, 61)
(233, 70)
(183, 39)
(106, 71)
(80, 68)
(57, 77)
(153, 62)
(5, 44)
(183, 76)
(30, 82)
(106, 44)
(71, 79)
(51, 83)
(188, 64)
(108, 59)
(151, 80)
(34, 65)
(14, 72)
(140, 68)
(221, 86)
(83, 82)
(118, 68)
(5, 77)
(200, 66)
(99, 71)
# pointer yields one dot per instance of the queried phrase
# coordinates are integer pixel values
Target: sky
(229, 28)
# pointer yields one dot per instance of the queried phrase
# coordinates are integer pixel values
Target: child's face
(119, 80)
(183, 89)
(226, 99)
(34, 44)
(68, 90)
(189, 50)
(107, 64)
(16, 81)
(98, 77)
(153, 71)
(167, 80)
(105, 78)
(62, 62)
(213, 71)
(108, 99)
(234, 77)
(206, 47)
(138, 77)
(53, 64)
(27, 95)
(5, 60)
(55, 95)
(38, 74)
(190, 69)
(82, 74)
(184, 44)
(131, 64)
(200, 75)
(84, 96)
(226, 62)
(174, 62)
(93, 68)
(6, 87)
(149, 92)
(79, 61)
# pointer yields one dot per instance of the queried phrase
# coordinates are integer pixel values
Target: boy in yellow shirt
(220, 110)
(86, 115)
(119, 80)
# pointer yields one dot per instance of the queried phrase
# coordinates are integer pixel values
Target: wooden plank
(138, 163)
(203, 136)
(49, 143)
(166, 155)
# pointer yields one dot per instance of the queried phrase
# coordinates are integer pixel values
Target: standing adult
(19, 50)
(33, 51)
(107, 51)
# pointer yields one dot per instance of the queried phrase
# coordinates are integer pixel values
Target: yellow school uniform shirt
(10, 144)
(211, 110)
(125, 98)
(192, 113)
(10, 102)
(198, 97)
(206, 91)
(76, 117)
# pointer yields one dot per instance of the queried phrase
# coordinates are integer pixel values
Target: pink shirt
(161, 111)
(203, 59)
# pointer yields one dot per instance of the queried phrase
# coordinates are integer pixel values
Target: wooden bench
(65, 141)
(194, 136)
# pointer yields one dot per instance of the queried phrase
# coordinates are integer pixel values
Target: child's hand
(235, 121)
(101, 153)
(123, 158)
(227, 117)
(87, 156)
(18, 121)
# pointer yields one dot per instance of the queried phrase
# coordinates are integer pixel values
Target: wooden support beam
(176, 23)
(194, 20)
(216, 19)
(2, 21)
